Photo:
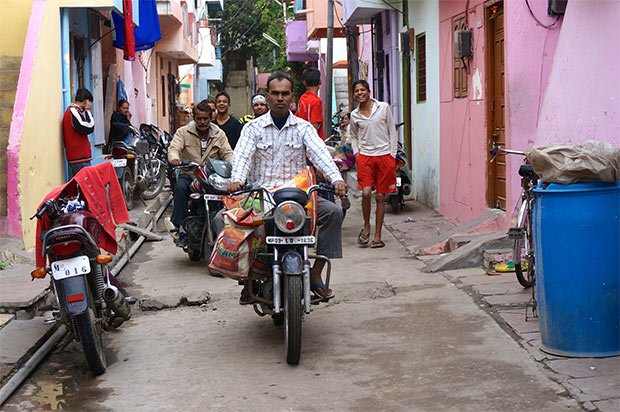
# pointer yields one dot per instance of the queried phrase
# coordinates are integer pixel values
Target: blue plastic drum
(577, 249)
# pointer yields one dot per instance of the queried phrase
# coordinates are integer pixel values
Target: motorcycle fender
(292, 264)
(120, 171)
(74, 287)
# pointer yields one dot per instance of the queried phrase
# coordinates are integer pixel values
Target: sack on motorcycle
(238, 245)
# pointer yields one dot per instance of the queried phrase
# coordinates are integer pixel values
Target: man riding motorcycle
(273, 149)
(195, 142)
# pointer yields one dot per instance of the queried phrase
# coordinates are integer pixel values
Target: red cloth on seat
(92, 182)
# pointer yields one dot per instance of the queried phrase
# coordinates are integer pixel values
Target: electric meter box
(463, 44)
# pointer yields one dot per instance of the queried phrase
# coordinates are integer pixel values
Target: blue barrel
(577, 249)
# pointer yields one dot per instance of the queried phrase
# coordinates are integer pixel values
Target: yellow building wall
(41, 153)
(41, 162)
(14, 23)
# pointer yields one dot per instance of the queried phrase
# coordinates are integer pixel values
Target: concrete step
(7, 98)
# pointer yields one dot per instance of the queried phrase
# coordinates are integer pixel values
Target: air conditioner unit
(556, 7)
(463, 44)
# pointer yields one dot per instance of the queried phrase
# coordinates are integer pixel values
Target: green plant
(3, 265)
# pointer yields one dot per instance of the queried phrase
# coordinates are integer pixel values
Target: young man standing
(225, 121)
(374, 141)
(310, 105)
(77, 124)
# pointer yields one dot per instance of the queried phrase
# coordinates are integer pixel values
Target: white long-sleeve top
(270, 157)
(374, 135)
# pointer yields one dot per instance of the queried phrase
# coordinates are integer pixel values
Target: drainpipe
(65, 57)
(329, 70)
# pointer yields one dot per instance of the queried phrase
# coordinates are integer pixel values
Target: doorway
(496, 103)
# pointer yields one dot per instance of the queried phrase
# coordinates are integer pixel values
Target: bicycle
(522, 233)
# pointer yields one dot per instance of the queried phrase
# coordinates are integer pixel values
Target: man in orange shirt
(310, 105)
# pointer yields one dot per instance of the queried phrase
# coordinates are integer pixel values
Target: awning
(146, 34)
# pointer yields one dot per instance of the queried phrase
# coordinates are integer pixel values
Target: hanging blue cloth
(147, 33)
(121, 94)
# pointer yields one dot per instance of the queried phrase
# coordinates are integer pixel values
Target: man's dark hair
(82, 95)
(278, 75)
(312, 76)
(223, 93)
(119, 104)
(203, 106)
(362, 82)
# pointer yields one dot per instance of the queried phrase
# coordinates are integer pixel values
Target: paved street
(394, 338)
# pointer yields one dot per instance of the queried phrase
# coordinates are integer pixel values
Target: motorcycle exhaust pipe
(117, 301)
(406, 189)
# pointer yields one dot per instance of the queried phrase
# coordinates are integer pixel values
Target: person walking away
(225, 121)
(77, 124)
(374, 141)
(193, 143)
(120, 122)
(310, 105)
(272, 150)
(259, 108)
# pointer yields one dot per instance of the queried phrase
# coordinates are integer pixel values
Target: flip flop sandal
(245, 298)
(319, 290)
(363, 238)
(377, 244)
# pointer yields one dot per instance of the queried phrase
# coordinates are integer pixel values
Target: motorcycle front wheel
(154, 184)
(395, 204)
(292, 318)
(91, 338)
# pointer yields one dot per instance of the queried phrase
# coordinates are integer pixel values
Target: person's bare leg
(379, 215)
(366, 205)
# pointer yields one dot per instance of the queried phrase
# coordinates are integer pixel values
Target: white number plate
(398, 183)
(119, 162)
(290, 240)
(67, 268)
(213, 197)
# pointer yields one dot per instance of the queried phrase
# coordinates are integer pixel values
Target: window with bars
(460, 69)
(420, 54)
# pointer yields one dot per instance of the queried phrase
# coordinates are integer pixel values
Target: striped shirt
(269, 157)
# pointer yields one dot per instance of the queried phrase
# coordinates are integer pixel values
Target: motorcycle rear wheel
(128, 185)
(292, 318)
(91, 338)
(194, 254)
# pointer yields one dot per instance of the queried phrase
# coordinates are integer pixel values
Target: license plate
(67, 268)
(398, 182)
(119, 162)
(290, 240)
(213, 197)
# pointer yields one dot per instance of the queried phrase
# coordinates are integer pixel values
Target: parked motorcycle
(286, 295)
(163, 139)
(87, 298)
(205, 200)
(140, 165)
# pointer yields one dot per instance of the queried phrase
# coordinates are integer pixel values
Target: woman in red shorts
(374, 141)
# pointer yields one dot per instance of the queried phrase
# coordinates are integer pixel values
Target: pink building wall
(529, 53)
(463, 157)
(582, 99)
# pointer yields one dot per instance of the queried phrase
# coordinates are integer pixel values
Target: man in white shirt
(273, 149)
(374, 141)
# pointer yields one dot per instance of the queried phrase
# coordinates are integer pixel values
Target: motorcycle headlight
(289, 216)
(218, 182)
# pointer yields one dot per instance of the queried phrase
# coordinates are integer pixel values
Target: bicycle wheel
(523, 248)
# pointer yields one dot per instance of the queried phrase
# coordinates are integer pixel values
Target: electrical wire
(545, 26)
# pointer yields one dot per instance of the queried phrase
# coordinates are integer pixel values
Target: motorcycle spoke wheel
(127, 185)
(91, 338)
(293, 311)
(154, 185)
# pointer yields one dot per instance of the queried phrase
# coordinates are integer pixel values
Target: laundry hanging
(146, 34)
